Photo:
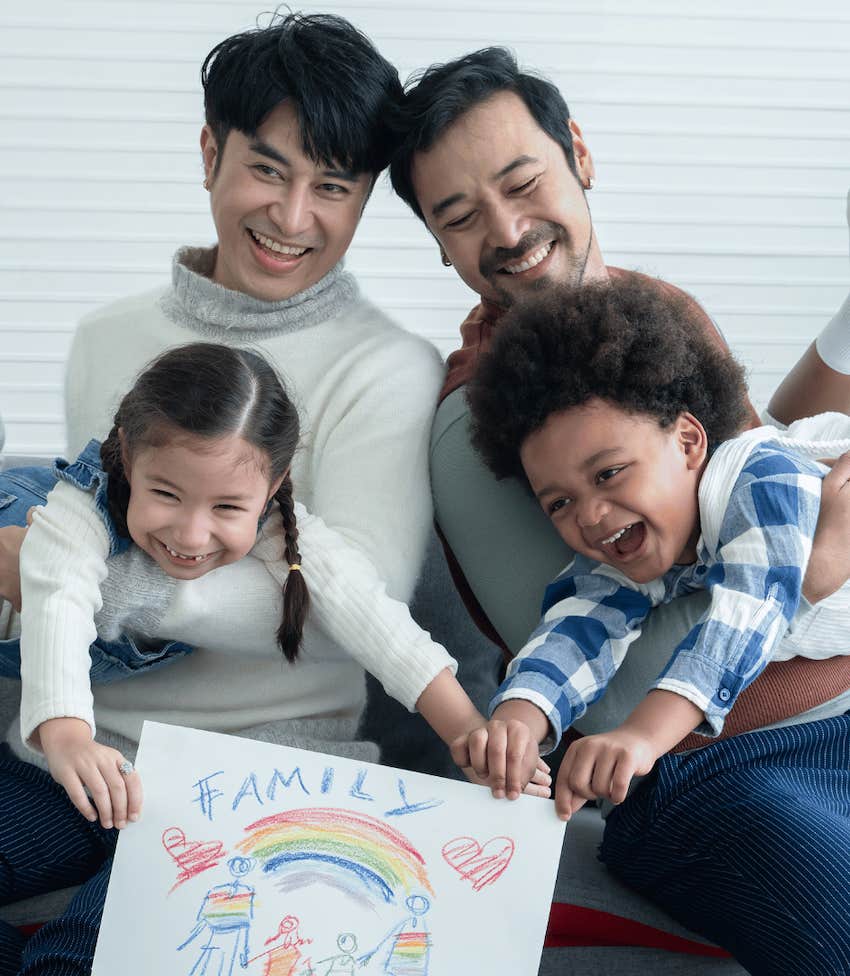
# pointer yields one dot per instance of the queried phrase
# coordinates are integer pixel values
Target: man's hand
(78, 763)
(829, 564)
(11, 540)
(601, 766)
(503, 753)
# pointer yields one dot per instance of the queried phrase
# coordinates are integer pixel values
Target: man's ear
(692, 440)
(209, 154)
(584, 161)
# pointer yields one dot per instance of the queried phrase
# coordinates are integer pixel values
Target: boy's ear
(692, 440)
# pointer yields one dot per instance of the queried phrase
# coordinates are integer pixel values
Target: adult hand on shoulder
(829, 565)
(80, 764)
(601, 766)
(11, 540)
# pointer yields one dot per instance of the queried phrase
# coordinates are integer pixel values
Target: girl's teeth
(180, 555)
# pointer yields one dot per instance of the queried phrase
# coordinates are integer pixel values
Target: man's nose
(506, 224)
(292, 213)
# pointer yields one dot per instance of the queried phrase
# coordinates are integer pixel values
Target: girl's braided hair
(210, 391)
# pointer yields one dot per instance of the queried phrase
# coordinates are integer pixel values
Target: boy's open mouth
(625, 541)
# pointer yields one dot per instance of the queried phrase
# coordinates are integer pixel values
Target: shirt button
(724, 694)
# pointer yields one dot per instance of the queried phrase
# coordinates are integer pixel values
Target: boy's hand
(78, 763)
(601, 766)
(503, 753)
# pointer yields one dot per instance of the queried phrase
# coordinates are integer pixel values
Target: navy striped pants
(747, 842)
(45, 845)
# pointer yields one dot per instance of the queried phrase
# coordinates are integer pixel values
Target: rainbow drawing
(351, 851)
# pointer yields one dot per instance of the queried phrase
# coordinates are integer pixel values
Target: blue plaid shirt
(592, 612)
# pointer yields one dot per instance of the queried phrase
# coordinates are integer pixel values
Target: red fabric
(574, 925)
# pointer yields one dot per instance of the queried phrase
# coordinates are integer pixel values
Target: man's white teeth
(274, 246)
(180, 555)
(616, 535)
(529, 262)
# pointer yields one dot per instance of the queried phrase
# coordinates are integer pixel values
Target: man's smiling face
(283, 220)
(497, 193)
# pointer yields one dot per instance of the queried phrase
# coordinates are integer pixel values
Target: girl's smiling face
(195, 502)
(618, 487)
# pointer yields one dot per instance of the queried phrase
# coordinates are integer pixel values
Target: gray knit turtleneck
(197, 302)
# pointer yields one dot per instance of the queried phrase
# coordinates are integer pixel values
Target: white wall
(721, 134)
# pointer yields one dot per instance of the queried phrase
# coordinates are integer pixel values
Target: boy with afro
(624, 419)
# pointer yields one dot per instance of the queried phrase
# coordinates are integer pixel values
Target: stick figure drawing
(226, 913)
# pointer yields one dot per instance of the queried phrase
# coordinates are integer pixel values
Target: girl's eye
(556, 505)
(607, 474)
(164, 494)
(229, 508)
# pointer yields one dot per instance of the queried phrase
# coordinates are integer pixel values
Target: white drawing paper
(270, 861)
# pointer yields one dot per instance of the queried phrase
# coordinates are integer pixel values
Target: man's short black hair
(629, 343)
(444, 92)
(341, 87)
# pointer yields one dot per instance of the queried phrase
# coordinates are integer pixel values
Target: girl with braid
(125, 569)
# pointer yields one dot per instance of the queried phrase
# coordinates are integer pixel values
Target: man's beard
(549, 231)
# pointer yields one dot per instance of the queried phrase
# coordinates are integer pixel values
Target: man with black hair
(294, 139)
(493, 164)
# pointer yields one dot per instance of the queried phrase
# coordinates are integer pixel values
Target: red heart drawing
(192, 857)
(481, 865)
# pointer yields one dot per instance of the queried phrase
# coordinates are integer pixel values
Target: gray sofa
(633, 927)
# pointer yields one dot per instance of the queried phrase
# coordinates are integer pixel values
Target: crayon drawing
(270, 861)
(352, 852)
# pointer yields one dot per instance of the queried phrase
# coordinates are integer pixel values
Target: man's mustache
(493, 260)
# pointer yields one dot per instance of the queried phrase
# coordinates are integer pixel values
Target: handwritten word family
(218, 792)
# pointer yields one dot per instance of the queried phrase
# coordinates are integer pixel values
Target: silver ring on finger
(125, 767)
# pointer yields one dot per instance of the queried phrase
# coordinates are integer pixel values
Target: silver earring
(590, 183)
(444, 259)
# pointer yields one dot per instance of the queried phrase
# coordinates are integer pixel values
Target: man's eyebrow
(514, 164)
(438, 208)
(264, 149)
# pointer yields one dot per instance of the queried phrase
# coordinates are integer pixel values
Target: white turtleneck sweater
(366, 392)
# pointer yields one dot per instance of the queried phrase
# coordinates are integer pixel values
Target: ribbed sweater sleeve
(63, 563)
(348, 600)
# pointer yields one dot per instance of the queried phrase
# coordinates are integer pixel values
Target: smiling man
(493, 164)
(294, 138)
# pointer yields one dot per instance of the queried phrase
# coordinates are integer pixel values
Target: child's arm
(351, 605)
(603, 765)
(447, 708)
(755, 581)
(80, 764)
(590, 618)
(63, 563)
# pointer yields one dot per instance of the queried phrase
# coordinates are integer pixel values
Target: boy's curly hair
(628, 343)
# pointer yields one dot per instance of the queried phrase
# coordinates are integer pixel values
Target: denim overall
(21, 488)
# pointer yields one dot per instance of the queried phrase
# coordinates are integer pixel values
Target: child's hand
(601, 766)
(540, 783)
(503, 753)
(78, 763)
